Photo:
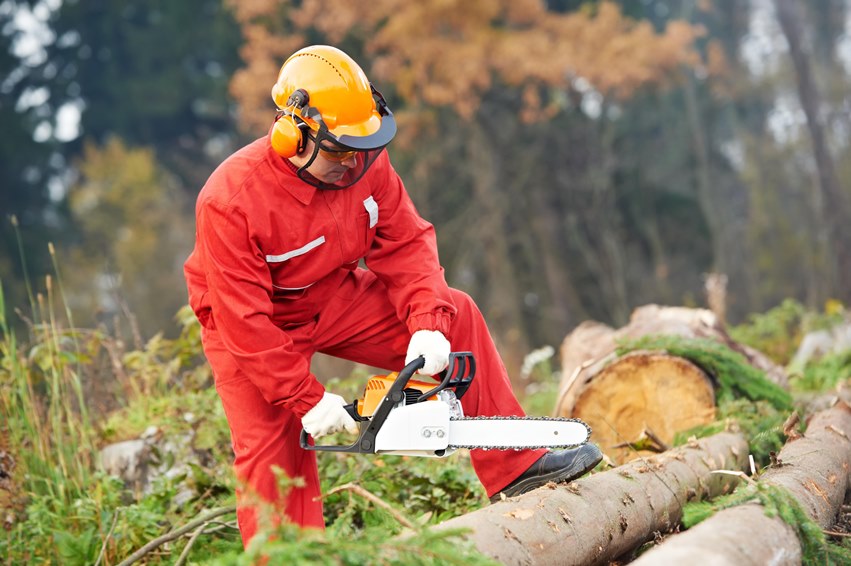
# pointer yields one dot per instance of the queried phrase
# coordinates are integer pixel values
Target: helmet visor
(357, 162)
(339, 149)
(376, 140)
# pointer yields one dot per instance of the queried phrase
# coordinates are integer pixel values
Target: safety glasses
(330, 151)
(336, 156)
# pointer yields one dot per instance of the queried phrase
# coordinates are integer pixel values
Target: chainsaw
(400, 415)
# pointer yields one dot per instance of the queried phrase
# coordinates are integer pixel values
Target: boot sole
(557, 476)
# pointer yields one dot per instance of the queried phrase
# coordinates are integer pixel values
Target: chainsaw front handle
(458, 374)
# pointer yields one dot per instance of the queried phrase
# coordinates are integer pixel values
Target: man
(281, 227)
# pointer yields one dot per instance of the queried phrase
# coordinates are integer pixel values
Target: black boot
(560, 466)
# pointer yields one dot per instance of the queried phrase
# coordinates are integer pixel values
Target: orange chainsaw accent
(377, 386)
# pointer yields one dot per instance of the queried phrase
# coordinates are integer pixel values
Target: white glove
(433, 346)
(328, 416)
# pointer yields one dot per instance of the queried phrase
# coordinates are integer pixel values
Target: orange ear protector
(288, 136)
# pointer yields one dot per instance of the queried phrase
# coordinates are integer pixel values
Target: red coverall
(274, 278)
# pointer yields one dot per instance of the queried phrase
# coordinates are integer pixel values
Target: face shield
(363, 149)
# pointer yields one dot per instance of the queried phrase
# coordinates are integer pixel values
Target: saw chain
(514, 418)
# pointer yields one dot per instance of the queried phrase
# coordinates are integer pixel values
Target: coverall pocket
(291, 270)
(370, 220)
(289, 294)
(280, 285)
(367, 232)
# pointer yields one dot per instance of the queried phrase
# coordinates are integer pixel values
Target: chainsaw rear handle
(458, 374)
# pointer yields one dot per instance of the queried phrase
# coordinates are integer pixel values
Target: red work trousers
(361, 325)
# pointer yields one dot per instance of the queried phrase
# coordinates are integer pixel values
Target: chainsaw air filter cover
(377, 386)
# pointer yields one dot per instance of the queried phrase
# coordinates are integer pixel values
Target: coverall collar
(302, 191)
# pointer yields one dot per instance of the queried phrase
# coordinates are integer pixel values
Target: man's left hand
(433, 346)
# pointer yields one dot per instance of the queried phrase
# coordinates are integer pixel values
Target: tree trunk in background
(565, 307)
(503, 304)
(702, 174)
(707, 195)
(813, 468)
(600, 517)
(594, 224)
(835, 209)
(612, 244)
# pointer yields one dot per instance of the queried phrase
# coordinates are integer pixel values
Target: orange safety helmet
(323, 94)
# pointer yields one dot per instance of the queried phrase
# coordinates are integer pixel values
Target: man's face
(328, 167)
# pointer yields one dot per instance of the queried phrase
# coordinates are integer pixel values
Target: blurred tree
(484, 85)
(834, 207)
(761, 129)
(153, 73)
(25, 168)
(128, 263)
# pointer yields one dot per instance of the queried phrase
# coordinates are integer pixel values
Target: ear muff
(288, 137)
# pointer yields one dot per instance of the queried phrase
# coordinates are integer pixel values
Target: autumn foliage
(448, 53)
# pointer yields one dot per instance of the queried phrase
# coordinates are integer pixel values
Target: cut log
(720, 542)
(815, 402)
(644, 393)
(600, 517)
(814, 468)
(833, 340)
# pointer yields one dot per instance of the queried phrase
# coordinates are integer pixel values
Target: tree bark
(600, 517)
(722, 542)
(813, 468)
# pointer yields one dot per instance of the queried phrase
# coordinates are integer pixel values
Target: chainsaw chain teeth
(515, 418)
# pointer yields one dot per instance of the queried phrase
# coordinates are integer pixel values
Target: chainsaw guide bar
(398, 415)
(578, 433)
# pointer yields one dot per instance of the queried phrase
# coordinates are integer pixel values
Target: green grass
(824, 373)
(67, 512)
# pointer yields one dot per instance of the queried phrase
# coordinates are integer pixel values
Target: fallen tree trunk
(813, 468)
(644, 393)
(740, 536)
(602, 516)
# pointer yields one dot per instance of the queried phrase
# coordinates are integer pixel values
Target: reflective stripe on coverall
(274, 278)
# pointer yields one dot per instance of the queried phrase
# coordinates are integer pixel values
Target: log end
(637, 404)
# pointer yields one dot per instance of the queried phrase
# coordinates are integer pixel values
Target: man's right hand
(328, 416)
